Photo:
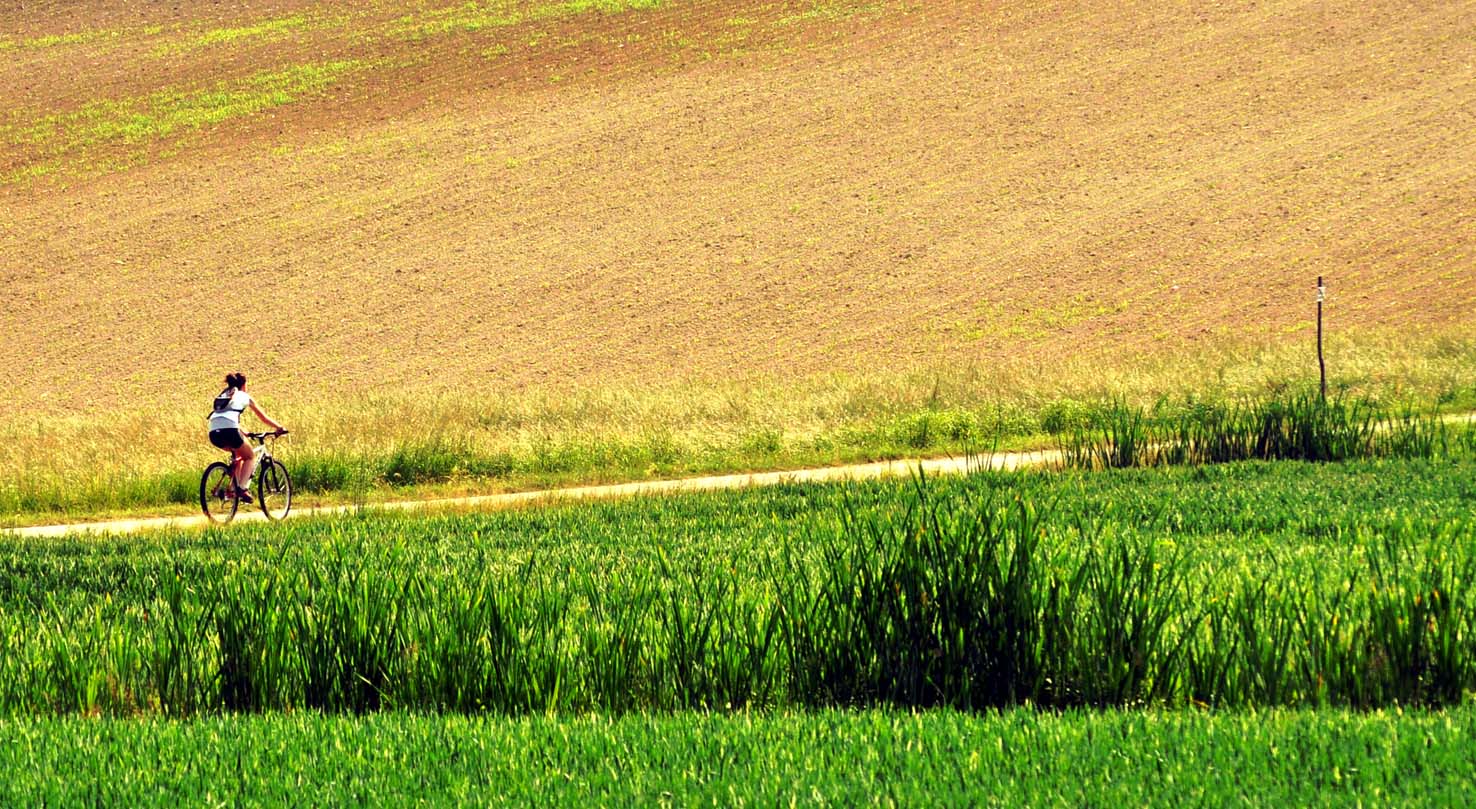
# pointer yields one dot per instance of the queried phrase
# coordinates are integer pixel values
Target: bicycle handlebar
(264, 436)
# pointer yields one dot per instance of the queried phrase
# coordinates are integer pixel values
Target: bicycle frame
(261, 446)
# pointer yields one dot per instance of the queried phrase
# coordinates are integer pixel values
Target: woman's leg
(251, 455)
(243, 464)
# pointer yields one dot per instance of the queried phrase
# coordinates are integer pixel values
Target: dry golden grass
(601, 434)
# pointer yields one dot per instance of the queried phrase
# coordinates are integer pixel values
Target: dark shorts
(229, 439)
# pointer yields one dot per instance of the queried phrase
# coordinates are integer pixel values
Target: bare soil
(721, 189)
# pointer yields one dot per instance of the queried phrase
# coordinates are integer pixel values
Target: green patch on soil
(72, 142)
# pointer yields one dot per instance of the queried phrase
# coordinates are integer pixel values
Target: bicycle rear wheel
(218, 493)
(274, 490)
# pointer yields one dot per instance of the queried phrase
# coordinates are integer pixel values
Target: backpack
(222, 402)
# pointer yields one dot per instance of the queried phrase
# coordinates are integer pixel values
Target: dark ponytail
(236, 380)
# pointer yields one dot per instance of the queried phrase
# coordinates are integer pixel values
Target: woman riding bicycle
(226, 433)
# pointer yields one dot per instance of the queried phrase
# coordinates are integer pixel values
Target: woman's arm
(261, 414)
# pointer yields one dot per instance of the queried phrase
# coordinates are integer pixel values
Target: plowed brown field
(514, 195)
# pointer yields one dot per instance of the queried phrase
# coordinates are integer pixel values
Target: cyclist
(226, 433)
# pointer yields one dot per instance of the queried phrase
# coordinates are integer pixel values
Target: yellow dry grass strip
(997, 461)
(872, 471)
(166, 434)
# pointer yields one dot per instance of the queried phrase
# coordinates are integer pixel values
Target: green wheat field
(1254, 628)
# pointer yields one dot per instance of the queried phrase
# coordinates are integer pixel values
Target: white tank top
(230, 418)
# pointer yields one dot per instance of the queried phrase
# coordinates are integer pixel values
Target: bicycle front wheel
(274, 490)
(218, 493)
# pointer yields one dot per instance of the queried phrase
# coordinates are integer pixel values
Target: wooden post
(1321, 364)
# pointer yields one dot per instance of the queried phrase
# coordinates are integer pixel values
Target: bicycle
(273, 485)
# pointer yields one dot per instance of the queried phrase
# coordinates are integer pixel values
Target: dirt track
(947, 466)
(646, 196)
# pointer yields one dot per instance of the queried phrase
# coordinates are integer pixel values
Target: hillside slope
(518, 193)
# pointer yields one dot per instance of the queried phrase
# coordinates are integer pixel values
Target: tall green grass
(1233, 589)
(1296, 426)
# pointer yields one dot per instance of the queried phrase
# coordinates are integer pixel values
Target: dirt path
(938, 466)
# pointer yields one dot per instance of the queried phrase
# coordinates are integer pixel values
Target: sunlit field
(482, 247)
